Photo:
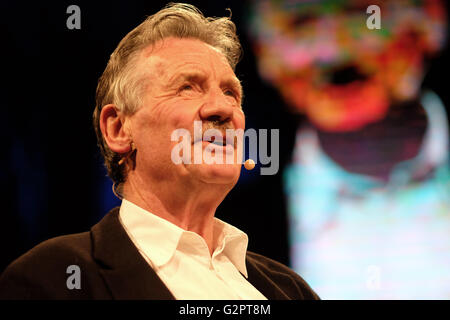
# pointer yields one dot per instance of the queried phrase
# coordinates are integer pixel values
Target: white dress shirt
(182, 259)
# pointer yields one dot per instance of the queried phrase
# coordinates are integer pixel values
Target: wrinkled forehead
(170, 57)
(180, 50)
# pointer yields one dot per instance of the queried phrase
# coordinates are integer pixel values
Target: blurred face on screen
(329, 65)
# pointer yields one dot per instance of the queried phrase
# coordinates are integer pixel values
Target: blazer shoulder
(276, 270)
(44, 267)
(73, 247)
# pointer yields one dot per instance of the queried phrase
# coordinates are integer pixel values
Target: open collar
(129, 277)
(147, 230)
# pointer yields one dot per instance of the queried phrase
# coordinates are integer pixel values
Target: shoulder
(282, 275)
(74, 248)
(45, 267)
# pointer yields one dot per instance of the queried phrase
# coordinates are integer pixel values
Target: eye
(186, 87)
(230, 93)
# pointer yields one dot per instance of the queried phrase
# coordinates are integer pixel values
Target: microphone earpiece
(249, 164)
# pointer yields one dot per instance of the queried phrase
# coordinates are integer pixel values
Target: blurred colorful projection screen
(368, 186)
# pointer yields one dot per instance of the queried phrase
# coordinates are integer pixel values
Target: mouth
(219, 141)
(344, 75)
(217, 146)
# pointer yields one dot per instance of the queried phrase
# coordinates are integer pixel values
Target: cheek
(239, 120)
(148, 133)
(154, 129)
(180, 114)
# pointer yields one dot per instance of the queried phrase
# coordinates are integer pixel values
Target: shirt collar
(158, 238)
(232, 242)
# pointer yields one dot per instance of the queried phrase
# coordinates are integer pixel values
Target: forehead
(172, 54)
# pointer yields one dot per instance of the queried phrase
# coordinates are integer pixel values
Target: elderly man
(163, 242)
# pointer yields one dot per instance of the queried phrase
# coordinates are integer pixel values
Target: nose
(217, 108)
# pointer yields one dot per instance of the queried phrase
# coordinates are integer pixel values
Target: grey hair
(122, 83)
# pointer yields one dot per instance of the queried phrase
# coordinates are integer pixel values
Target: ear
(115, 133)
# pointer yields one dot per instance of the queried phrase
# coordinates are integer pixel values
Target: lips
(218, 140)
(215, 140)
(216, 144)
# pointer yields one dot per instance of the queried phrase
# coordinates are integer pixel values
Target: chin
(227, 174)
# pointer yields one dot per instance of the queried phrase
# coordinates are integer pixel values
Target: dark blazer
(112, 268)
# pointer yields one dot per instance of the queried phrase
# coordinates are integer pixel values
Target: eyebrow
(232, 82)
(184, 76)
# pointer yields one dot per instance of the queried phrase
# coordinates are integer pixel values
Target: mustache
(218, 125)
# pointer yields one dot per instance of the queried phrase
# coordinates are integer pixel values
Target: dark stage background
(52, 176)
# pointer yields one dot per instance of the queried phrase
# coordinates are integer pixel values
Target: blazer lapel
(263, 283)
(124, 270)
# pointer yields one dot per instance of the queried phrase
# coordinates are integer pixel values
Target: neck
(375, 149)
(190, 207)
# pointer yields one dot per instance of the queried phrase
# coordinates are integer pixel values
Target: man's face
(188, 81)
(329, 65)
